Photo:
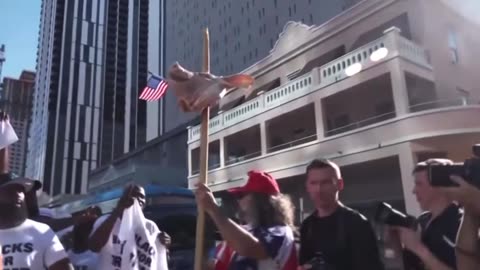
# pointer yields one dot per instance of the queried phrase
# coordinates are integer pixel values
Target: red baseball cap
(258, 182)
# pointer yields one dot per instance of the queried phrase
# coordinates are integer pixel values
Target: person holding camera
(434, 248)
(468, 242)
(334, 236)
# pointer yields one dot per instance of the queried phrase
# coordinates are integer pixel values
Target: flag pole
(200, 233)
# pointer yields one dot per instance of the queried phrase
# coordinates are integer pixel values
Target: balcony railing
(429, 105)
(233, 160)
(438, 104)
(330, 73)
(359, 124)
(292, 143)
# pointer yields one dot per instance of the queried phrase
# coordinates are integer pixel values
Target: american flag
(279, 243)
(155, 89)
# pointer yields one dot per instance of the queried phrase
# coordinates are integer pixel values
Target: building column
(407, 164)
(319, 123)
(263, 138)
(397, 75)
(399, 89)
(222, 152)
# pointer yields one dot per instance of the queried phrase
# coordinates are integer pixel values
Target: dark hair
(322, 164)
(272, 210)
(424, 165)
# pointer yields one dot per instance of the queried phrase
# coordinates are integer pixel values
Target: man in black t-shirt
(334, 235)
(434, 248)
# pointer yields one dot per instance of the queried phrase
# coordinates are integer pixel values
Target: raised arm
(239, 239)
(4, 155)
(103, 227)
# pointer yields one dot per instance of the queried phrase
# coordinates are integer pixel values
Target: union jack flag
(155, 89)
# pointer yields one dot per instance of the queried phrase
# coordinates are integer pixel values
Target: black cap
(11, 179)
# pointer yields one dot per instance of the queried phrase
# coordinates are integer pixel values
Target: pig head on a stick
(198, 90)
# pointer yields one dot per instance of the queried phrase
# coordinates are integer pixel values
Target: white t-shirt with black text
(84, 261)
(110, 255)
(31, 245)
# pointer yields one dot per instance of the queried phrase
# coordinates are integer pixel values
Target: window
(263, 11)
(464, 95)
(453, 46)
(290, 11)
(275, 3)
(294, 8)
(311, 19)
(276, 19)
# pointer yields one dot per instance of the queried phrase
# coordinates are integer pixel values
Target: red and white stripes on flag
(155, 89)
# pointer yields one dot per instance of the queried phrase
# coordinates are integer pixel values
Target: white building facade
(376, 89)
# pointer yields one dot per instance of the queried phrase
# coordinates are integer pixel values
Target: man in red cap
(267, 241)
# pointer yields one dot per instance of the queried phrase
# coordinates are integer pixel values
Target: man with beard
(26, 244)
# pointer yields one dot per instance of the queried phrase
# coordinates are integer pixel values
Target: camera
(318, 263)
(439, 175)
(386, 214)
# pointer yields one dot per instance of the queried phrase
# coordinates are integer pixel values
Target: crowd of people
(334, 236)
(337, 237)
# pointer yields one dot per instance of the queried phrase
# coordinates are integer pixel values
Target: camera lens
(386, 214)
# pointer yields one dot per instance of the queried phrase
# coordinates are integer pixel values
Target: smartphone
(439, 175)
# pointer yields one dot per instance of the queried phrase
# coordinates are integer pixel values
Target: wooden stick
(199, 242)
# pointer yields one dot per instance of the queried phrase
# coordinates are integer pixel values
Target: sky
(19, 24)
(20, 19)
